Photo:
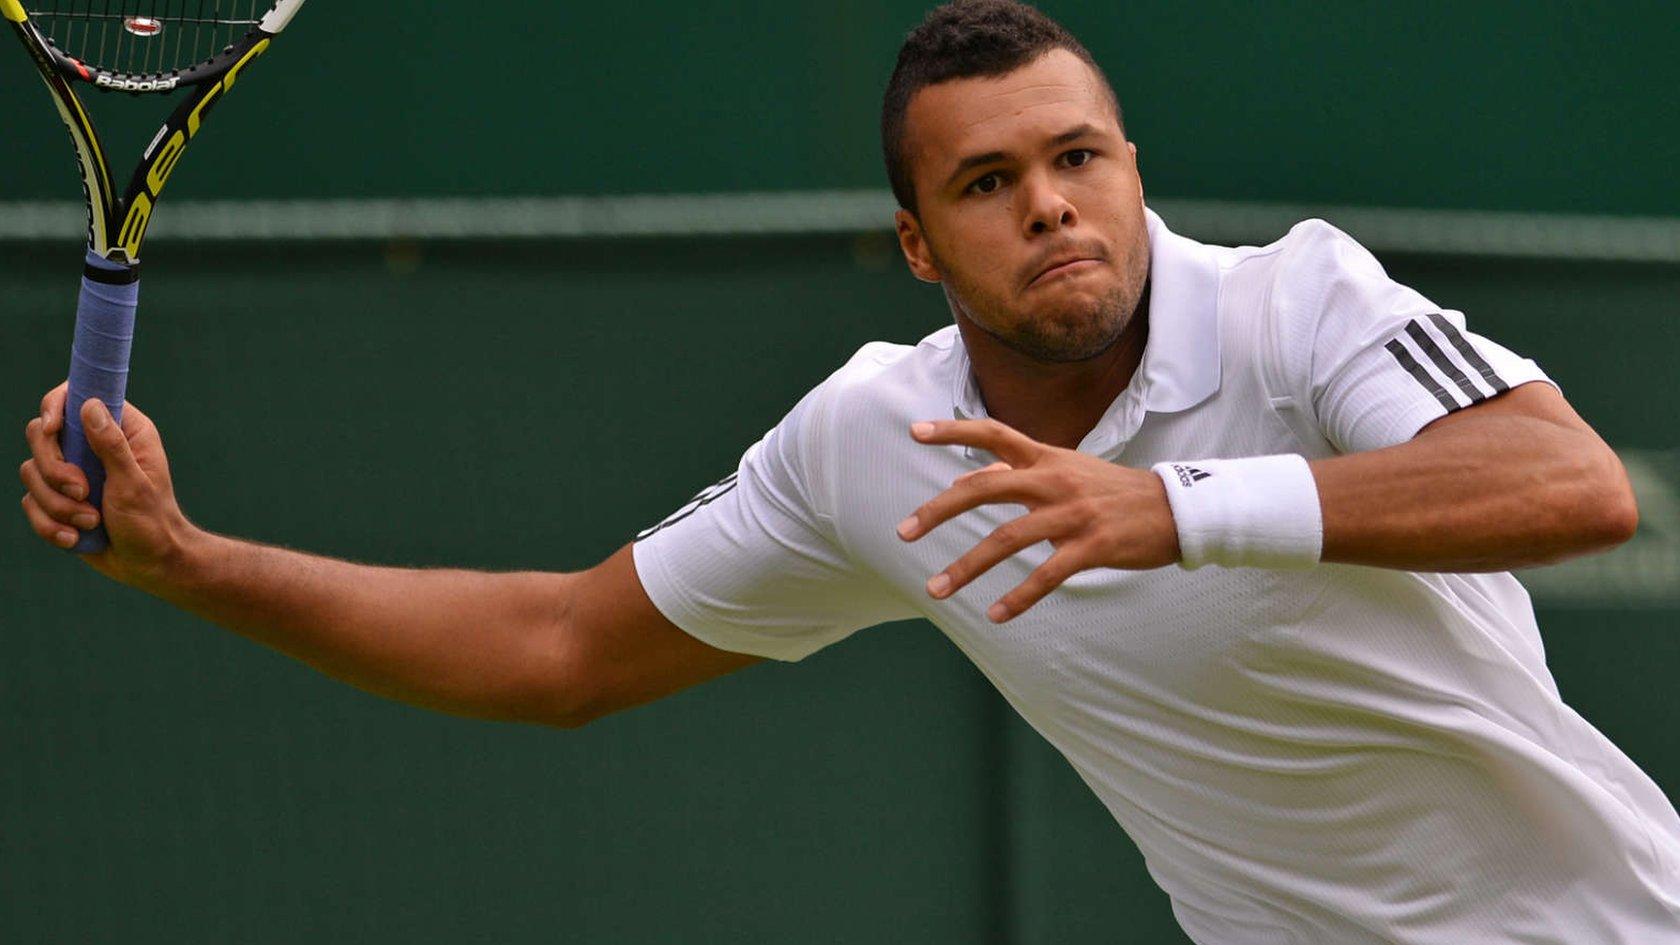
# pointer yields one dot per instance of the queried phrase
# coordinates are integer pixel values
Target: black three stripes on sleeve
(1432, 350)
(701, 499)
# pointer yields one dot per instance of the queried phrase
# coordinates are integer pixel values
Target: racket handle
(99, 368)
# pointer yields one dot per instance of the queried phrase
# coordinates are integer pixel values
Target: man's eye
(1078, 156)
(986, 185)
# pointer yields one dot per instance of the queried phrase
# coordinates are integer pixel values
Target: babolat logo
(1190, 475)
(135, 85)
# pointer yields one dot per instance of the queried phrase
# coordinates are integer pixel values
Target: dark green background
(515, 407)
(525, 406)
(1499, 105)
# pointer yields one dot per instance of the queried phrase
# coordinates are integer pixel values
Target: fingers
(979, 487)
(49, 459)
(57, 506)
(1065, 563)
(43, 524)
(52, 406)
(134, 420)
(1006, 443)
(108, 442)
(995, 467)
(1005, 541)
(54, 488)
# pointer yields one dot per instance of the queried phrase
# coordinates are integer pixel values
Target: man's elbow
(558, 700)
(570, 720)
(1609, 511)
(575, 710)
(1619, 519)
(559, 686)
(566, 687)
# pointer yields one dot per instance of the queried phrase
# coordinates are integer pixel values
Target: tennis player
(1229, 527)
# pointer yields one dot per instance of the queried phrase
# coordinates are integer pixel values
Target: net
(145, 37)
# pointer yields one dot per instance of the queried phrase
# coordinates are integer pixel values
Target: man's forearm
(470, 643)
(1490, 493)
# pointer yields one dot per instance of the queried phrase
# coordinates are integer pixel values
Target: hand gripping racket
(142, 47)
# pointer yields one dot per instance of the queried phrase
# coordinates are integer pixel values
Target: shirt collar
(1180, 366)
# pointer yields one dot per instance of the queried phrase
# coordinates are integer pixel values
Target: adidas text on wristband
(1259, 512)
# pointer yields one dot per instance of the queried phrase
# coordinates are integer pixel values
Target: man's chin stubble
(1067, 347)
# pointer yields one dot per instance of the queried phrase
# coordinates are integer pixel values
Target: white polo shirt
(1344, 755)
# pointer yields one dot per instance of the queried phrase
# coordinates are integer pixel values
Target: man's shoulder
(883, 373)
(883, 384)
(1285, 291)
(850, 417)
(1277, 300)
(1312, 250)
(1312, 267)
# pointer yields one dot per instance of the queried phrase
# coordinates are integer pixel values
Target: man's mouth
(1064, 267)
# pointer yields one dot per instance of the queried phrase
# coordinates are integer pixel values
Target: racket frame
(117, 224)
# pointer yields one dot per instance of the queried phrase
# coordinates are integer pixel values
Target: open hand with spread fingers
(1094, 513)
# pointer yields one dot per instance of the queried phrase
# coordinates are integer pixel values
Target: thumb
(108, 441)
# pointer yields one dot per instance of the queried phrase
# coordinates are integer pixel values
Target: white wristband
(1260, 512)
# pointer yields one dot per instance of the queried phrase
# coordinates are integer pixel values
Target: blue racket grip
(99, 368)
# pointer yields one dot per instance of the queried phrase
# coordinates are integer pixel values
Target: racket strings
(146, 37)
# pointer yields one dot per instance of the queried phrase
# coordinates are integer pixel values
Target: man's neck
(1054, 403)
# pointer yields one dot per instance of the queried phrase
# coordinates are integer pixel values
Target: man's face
(1030, 210)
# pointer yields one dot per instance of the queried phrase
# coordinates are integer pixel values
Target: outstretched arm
(556, 649)
(547, 648)
(1516, 480)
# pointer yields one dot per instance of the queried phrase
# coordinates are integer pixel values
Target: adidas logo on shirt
(1190, 475)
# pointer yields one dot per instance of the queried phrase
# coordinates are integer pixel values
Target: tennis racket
(143, 47)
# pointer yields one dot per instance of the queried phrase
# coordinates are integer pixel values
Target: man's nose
(1048, 209)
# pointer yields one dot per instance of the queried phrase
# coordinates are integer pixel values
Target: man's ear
(1133, 148)
(914, 244)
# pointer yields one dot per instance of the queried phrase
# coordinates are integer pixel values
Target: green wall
(513, 406)
(1545, 105)
(532, 406)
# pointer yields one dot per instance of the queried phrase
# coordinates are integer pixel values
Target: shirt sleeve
(1383, 360)
(751, 564)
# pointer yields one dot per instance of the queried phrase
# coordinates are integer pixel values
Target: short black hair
(960, 40)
